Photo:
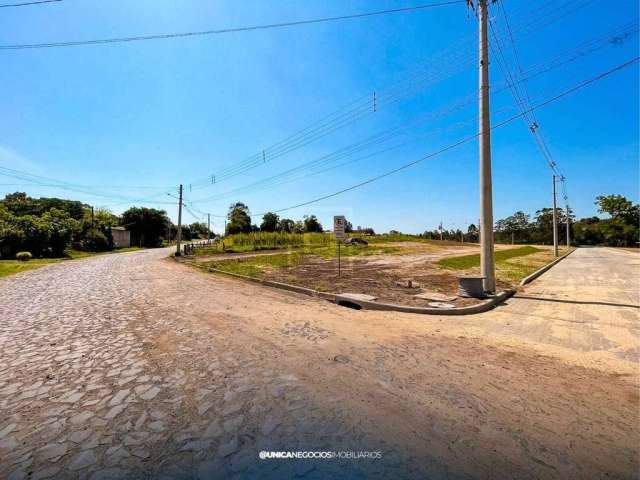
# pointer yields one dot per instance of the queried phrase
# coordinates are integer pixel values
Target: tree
(348, 227)
(311, 224)
(238, 218)
(199, 230)
(148, 226)
(618, 208)
(286, 225)
(19, 204)
(270, 222)
(298, 227)
(514, 227)
(473, 234)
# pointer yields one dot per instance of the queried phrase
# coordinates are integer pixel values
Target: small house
(121, 237)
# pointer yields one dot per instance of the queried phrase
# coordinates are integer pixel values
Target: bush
(23, 256)
(96, 241)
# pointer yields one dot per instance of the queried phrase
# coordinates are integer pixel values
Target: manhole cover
(341, 359)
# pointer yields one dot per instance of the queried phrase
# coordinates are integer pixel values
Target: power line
(452, 61)
(533, 124)
(293, 174)
(226, 30)
(463, 141)
(24, 4)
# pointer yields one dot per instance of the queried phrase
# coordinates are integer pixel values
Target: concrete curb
(367, 305)
(542, 270)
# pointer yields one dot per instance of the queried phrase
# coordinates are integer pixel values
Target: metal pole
(339, 266)
(555, 221)
(179, 232)
(568, 227)
(487, 267)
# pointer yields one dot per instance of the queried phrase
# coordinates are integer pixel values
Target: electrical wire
(163, 36)
(464, 140)
(25, 4)
(386, 135)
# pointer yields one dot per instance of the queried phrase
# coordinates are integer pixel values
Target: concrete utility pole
(487, 267)
(208, 226)
(568, 227)
(555, 220)
(179, 232)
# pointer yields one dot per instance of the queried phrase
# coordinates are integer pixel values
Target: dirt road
(133, 366)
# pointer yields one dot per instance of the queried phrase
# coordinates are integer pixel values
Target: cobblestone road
(101, 377)
(132, 366)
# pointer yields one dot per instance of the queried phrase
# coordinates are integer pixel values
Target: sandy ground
(545, 386)
(384, 276)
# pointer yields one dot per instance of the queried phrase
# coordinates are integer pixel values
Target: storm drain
(348, 304)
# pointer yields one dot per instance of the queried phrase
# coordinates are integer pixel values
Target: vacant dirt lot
(383, 275)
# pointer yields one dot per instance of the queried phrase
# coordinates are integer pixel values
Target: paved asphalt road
(133, 366)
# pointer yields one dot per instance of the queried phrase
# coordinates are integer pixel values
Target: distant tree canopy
(47, 235)
(311, 224)
(148, 226)
(270, 222)
(621, 229)
(348, 227)
(19, 204)
(199, 230)
(286, 225)
(238, 219)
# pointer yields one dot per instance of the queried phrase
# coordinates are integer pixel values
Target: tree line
(47, 227)
(619, 229)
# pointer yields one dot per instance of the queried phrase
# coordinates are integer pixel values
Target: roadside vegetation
(9, 267)
(465, 262)
(512, 265)
(61, 228)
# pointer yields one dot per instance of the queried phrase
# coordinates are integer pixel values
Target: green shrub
(23, 256)
(96, 241)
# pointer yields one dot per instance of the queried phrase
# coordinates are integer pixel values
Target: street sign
(339, 224)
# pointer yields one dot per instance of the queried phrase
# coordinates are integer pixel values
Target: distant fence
(190, 248)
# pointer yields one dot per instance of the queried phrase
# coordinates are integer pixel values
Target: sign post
(339, 224)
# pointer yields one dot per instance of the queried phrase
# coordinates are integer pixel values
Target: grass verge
(254, 266)
(9, 267)
(465, 262)
(511, 265)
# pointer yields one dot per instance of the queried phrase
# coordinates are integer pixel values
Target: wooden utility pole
(179, 232)
(487, 267)
(208, 227)
(555, 220)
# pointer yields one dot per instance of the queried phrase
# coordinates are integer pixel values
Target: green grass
(465, 262)
(255, 266)
(350, 251)
(9, 267)
(253, 242)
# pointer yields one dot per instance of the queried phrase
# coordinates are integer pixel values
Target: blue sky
(153, 114)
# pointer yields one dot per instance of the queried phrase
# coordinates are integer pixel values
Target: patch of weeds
(465, 262)
(255, 266)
